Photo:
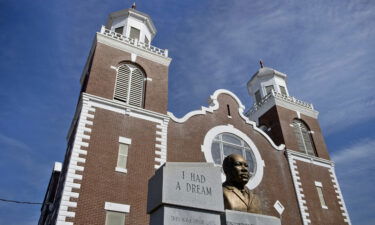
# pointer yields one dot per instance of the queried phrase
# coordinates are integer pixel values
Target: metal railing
(279, 96)
(134, 42)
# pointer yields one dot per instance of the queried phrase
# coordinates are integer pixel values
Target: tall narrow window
(134, 33)
(303, 136)
(122, 156)
(119, 30)
(283, 90)
(130, 83)
(114, 218)
(319, 189)
(269, 89)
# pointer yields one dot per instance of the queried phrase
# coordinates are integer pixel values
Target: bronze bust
(236, 195)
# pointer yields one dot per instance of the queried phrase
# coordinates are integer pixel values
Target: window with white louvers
(130, 85)
(303, 136)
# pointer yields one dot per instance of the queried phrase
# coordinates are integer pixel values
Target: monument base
(242, 218)
(172, 215)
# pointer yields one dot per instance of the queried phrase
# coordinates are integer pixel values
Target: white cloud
(325, 48)
(355, 171)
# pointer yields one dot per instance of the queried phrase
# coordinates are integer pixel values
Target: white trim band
(117, 207)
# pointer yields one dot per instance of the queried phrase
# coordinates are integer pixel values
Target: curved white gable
(214, 105)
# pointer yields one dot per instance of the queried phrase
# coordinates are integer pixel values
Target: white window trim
(125, 140)
(206, 149)
(117, 207)
(320, 185)
(121, 170)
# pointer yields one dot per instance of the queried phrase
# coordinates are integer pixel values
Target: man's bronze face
(239, 172)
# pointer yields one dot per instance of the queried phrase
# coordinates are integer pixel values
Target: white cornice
(309, 159)
(132, 49)
(214, 105)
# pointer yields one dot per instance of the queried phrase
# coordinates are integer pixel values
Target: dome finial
(134, 6)
(261, 63)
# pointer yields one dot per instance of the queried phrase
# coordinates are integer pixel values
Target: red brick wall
(102, 78)
(184, 145)
(310, 173)
(102, 183)
(280, 118)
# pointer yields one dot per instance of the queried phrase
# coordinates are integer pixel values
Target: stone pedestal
(185, 194)
(242, 218)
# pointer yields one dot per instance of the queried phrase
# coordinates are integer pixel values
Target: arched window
(303, 136)
(225, 144)
(130, 82)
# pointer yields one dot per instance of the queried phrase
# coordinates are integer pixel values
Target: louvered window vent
(130, 85)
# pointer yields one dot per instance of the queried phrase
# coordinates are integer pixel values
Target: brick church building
(122, 133)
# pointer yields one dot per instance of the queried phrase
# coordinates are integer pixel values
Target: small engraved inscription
(235, 223)
(189, 220)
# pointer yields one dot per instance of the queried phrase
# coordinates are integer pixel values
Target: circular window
(224, 140)
(225, 144)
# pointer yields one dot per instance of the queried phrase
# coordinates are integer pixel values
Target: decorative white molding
(279, 207)
(214, 105)
(117, 207)
(161, 143)
(274, 98)
(133, 57)
(123, 43)
(318, 184)
(57, 167)
(298, 187)
(206, 149)
(125, 140)
(123, 108)
(339, 196)
(121, 170)
(77, 155)
(310, 159)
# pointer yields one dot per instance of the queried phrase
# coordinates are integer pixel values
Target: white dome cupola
(266, 80)
(132, 24)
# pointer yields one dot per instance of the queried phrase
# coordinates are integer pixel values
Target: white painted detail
(83, 119)
(133, 57)
(298, 114)
(117, 207)
(149, 79)
(57, 167)
(279, 207)
(299, 191)
(148, 52)
(125, 140)
(161, 147)
(121, 170)
(214, 105)
(318, 184)
(113, 67)
(340, 196)
(206, 149)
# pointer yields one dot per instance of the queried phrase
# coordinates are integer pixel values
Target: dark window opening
(134, 33)
(228, 109)
(119, 30)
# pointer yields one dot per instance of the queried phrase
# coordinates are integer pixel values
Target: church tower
(122, 133)
(118, 135)
(290, 121)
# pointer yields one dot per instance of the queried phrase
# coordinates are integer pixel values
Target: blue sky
(327, 48)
